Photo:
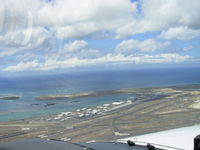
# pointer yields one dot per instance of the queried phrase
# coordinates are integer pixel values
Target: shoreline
(75, 98)
(138, 94)
(109, 92)
(85, 94)
(151, 110)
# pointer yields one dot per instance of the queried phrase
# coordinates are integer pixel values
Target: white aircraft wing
(181, 138)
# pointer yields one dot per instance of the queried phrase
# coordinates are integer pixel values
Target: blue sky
(43, 36)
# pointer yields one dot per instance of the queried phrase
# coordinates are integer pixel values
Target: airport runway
(172, 109)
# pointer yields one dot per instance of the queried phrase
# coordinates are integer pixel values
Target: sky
(38, 36)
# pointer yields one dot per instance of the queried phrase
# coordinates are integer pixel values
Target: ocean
(28, 88)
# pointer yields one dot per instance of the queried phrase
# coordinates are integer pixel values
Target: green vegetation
(9, 97)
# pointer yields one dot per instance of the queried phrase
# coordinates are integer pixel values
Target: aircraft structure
(186, 138)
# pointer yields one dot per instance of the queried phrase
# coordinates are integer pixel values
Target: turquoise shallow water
(27, 111)
(30, 87)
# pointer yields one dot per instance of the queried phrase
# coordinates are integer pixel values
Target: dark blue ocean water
(30, 87)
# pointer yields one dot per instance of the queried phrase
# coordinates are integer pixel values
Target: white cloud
(110, 59)
(78, 30)
(34, 24)
(25, 39)
(88, 53)
(131, 46)
(25, 57)
(77, 48)
(69, 19)
(75, 19)
(75, 45)
(187, 48)
(22, 66)
(162, 14)
(7, 53)
(180, 33)
(164, 58)
(18, 14)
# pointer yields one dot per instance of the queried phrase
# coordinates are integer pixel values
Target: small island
(9, 97)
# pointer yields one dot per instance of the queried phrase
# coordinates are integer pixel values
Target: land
(150, 110)
(86, 94)
(9, 97)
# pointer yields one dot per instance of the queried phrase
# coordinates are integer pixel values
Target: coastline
(85, 94)
(151, 110)
(110, 92)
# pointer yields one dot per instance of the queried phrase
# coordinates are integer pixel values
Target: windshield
(98, 70)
